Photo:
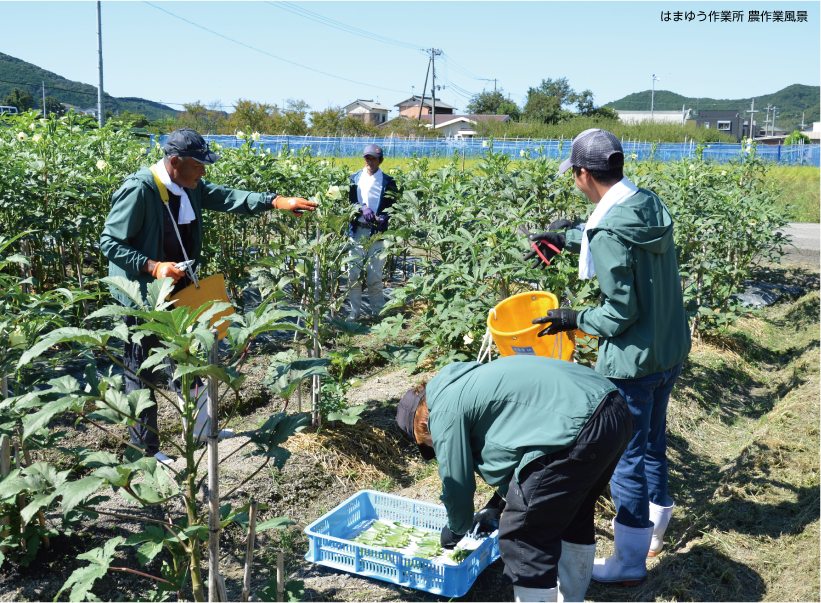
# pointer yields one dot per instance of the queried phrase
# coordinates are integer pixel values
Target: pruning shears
(535, 246)
(186, 266)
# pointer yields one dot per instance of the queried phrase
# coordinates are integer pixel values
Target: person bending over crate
(547, 434)
(642, 330)
(145, 239)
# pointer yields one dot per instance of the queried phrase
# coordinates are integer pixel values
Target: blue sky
(612, 48)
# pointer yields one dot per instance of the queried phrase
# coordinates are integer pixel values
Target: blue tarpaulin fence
(559, 149)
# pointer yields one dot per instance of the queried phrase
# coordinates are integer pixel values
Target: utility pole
(100, 53)
(752, 113)
(803, 125)
(772, 127)
(425, 87)
(653, 95)
(45, 111)
(433, 54)
(683, 115)
(767, 121)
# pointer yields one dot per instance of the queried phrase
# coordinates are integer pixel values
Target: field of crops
(454, 250)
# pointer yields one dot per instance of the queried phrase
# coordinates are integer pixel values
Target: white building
(814, 134)
(670, 117)
(461, 126)
(367, 111)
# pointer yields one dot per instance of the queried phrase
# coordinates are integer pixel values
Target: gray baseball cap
(186, 142)
(594, 149)
(405, 414)
(373, 149)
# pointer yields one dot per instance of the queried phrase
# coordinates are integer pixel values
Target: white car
(10, 110)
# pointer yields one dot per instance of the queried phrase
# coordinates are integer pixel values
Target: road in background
(806, 240)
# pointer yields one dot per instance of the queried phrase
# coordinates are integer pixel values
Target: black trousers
(133, 356)
(555, 497)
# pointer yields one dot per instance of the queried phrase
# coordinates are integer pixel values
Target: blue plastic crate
(331, 544)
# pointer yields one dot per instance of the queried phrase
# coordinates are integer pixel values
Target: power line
(327, 21)
(268, 53)
(459, 69)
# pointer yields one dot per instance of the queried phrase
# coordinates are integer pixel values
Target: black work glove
(562, 319)
(562, 224)
(489, 515)
(543, 240)
(448, 539)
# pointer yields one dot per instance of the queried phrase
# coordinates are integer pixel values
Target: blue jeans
(641, 474)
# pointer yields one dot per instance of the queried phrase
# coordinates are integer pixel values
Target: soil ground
(743, 435)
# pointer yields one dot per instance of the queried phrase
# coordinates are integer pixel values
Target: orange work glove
(166, 269)
(296, 205)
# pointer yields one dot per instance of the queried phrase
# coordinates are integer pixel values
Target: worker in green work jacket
(642, 328)
(547, 434)
(145, 239)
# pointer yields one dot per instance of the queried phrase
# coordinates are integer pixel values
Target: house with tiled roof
(367, 111)
(410, 107)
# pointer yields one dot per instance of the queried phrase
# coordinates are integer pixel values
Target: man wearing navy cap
(144, 239)
(373, 192)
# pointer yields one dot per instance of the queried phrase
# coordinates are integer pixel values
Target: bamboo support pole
(280, 576)
(249, 551)
(213, 480)
(26, 268)
(315, 380)
(5, 469)
(223, 592)
(21, 498)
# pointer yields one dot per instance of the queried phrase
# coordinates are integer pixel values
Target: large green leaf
(283, 379)
(349, 416)
(276, 430)
(31, 423)
(82, 579)
(75, 492)
(277, 523)
(131, 289)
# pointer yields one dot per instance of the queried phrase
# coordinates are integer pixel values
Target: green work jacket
(133, 232)
(496, 418)
(641, 323)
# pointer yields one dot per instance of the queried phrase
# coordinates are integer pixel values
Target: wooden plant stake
(5, 468)
(249, 551)
(280, 576)
(213, 479)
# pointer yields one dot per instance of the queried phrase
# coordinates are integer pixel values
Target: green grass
(799, 187)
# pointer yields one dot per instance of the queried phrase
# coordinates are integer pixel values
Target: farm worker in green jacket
(643, 334)
(143, 239)
(547, 434)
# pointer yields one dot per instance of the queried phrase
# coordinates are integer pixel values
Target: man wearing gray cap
(373, 191)
(145, 239)
(642, 329)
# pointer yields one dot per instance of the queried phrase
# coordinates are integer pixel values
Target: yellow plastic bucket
(510, 326)
(211, 289)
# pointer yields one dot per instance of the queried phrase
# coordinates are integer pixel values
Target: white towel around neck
(187, 214)
(619, 192)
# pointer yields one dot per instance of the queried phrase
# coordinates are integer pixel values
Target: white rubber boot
(575, 569)
(201, 416)
(627, 565)
(522, 594)
(660, 516)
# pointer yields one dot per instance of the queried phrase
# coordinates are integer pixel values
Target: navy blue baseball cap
(405, 413)
(186, 142)
(373, 149)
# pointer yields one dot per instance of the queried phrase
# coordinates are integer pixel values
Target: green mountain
(790, 102)
(15, 73)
